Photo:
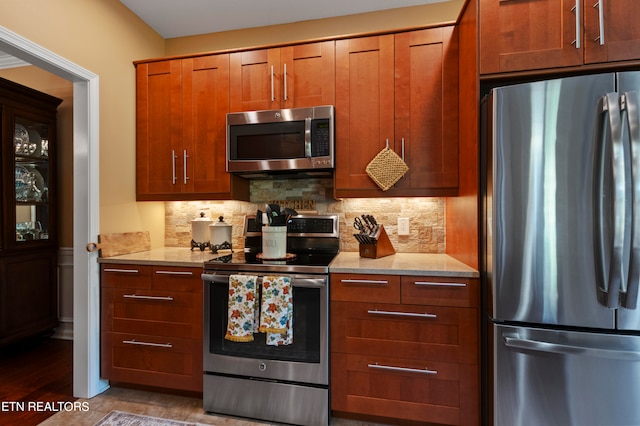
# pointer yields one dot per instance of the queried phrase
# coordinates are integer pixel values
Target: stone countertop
(441, 265)
(346, 262)
(165, 256)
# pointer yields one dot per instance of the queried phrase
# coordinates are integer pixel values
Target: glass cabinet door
(32, 178)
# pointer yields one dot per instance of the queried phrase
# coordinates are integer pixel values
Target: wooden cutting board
(121, 243)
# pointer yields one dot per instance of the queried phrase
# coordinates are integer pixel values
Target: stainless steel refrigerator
(561, 173)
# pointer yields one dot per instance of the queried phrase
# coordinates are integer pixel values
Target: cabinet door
(159, 128)
(621, 38)
(308, 75)
(28, 295)
(255, 80)
(205, 103)
(364, 110)
(426, 111)
(528, 34)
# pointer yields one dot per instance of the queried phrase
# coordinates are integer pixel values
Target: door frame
(86, 206)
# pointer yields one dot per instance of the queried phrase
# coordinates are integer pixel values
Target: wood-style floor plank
(32, 374)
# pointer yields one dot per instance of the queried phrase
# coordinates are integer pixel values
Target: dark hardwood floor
(36, 380)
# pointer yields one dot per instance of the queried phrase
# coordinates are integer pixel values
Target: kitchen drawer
(178, 279)
(153, 312)
(440, 291)
(434, 334)
(365, 288)
(396, 388)
(149, 360)
(127, 276)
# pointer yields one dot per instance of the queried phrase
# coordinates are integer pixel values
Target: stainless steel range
(286, 383)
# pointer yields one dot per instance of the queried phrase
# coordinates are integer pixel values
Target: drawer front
(152, 312)
(127, 276)
(148, 360)
(396, 388)
(426, 333)
(177, 279)
(440, 291)
(365, 288)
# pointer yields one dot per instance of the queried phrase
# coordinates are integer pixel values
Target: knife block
(382, 248)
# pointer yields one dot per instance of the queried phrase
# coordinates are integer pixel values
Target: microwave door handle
(630, 103)
(307, 137)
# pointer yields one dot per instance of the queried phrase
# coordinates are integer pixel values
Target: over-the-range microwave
(281, 141)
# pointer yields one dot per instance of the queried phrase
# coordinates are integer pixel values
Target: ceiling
(180, 18)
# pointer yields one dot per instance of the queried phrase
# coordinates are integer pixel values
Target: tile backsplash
(426, 215)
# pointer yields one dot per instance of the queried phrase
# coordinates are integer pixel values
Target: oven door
(304, 361)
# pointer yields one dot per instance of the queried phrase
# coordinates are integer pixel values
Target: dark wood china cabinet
(28, 230)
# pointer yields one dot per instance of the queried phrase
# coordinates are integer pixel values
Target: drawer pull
(365, 281)
(402, 314)
(436, 284)
(157, 345)
(137, 296)
(174, 273)
(402, 369)
(126, 271)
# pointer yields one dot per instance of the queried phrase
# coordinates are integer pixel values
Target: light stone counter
(348, 262)
(439, 265)
(165, 256)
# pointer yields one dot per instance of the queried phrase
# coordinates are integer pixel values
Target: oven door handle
(296, 280)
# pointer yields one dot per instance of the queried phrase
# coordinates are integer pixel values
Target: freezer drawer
(548, 377)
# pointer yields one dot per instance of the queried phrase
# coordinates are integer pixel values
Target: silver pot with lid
(200, 232)
(220, 235)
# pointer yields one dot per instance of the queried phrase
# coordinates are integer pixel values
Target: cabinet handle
(576, 9)
(436, 284)
(402, 314)
(137, 296)
(157, 345)
(272, 90)
(600, 7)
(173, 166)
(126, 271)
(184, 166)
(285, 82)
(402, 369)
(365, 281)
(174, 273)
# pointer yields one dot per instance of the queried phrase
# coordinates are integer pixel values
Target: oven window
(306, 329)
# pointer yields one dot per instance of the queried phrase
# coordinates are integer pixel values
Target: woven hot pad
(386, 168)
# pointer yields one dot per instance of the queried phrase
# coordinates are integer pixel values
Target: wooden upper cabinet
(621, 31)
(403, 89)
(159, 127)
(536, 34)
(181, 139)
(364, 109)
(426, 111)
(288, 77)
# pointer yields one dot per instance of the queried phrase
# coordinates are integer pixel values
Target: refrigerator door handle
(613, 223)
(515, 341)
(629, 102)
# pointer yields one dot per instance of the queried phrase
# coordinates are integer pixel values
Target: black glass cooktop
(252, 261)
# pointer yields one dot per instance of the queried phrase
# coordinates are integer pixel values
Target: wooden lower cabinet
(405, 348)
(152, 326)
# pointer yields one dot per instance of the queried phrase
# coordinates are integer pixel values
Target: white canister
(274, 242)
(200, 232)
(220, 235)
